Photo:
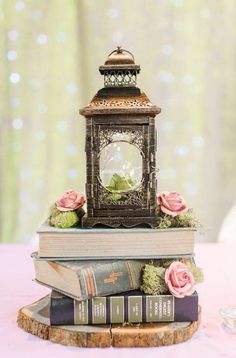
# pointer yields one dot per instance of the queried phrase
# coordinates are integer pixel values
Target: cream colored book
(119, 243)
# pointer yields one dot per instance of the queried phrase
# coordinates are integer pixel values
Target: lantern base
(114, 222)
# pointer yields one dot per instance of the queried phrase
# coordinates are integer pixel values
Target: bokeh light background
(50, 52)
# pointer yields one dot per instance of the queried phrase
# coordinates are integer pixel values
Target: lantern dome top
(119, 60)
(119, 69)
(120, 94)
(120, 57)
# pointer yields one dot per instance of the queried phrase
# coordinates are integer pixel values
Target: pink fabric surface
(213, 339)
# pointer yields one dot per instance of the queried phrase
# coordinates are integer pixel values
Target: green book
(86, 279)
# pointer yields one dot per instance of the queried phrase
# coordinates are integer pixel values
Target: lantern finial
(119, 49)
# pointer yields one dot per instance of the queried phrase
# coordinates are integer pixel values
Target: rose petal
(172, 203)
(167, 211)
(70, 200)
(175, 279)
(179, 279)
(165, 201)
(61, 208)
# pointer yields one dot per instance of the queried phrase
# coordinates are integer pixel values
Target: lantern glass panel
(120, 167)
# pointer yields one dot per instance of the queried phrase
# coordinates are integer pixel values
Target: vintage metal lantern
(120, 148)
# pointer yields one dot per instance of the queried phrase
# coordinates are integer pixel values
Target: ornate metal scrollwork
(110, 135)
(120, 78)
(139, 102)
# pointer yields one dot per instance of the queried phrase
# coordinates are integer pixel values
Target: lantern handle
(120, 50)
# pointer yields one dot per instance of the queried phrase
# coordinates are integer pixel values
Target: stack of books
(95, 274)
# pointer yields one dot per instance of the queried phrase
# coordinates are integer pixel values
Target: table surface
(213, 339)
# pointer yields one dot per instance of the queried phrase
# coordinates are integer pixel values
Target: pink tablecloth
(213, 339)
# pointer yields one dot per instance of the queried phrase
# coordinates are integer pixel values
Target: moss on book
(65, 219)
(188, 219)
(153, 276)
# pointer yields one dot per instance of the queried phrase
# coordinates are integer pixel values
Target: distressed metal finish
(119, 69)
(116, 222)
(138, 105)
(120, 103)
(120, 57)
(132, 118)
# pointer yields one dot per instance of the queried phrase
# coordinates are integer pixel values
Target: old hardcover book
(86, 279)
(133, 307)
(121, 243)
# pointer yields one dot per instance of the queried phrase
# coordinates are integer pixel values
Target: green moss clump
(65, 219)
(197, 272)
(182, 220)
(53, 212)
(165, 222)
(187, 220)
(153, 281)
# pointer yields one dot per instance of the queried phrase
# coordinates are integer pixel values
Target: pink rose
(70, 200)
(172, 203)
(179, 279)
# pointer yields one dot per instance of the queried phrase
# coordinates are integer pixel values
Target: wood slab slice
(34, 319)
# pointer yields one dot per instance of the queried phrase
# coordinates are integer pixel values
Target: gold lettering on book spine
(113, 277)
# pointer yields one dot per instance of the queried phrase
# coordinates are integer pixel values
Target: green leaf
(118, 182)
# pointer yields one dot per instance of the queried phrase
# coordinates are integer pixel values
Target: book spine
(119, 309)
(109, 278)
